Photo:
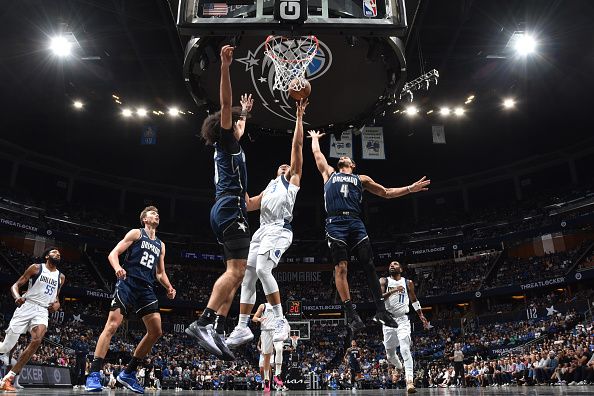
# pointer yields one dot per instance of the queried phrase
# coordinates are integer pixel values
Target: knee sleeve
(365, 257)
(9, 342)
(248, 286)
(338, 251)
(278, 352)
(264, 266)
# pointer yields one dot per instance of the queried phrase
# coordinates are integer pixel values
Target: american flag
(215, 9)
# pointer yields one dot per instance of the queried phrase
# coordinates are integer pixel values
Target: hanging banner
(438, 134)
(372, 143)
(342, 147)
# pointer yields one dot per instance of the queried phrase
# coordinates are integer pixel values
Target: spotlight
(60, 46)
(509, 103)
(127, 112)
(78, 104)
(141, 112)
(471, 98)
(430, 111)
(458, 111)
(173, 111)
(525, 44)
(411, 111)
(444, 111)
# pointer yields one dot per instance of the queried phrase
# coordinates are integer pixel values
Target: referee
(458, 359)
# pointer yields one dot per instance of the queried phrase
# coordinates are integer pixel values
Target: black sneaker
(355, 323)
(226, 353)
(204, 338)
(385, 318)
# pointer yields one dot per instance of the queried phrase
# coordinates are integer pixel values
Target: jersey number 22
(147, 260)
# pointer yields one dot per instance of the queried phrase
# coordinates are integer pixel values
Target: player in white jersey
(271, 240)
(45, 283)
(265, 316)
(398, 293)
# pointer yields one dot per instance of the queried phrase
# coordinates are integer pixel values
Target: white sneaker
(282, 330)
(239, 336)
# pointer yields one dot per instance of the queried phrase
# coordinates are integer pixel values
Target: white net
(291, 56)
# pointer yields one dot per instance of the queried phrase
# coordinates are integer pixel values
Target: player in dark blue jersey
(343, 193)
(228, 216)
(143, 264)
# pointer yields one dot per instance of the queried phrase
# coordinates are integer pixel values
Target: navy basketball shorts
(347, 230)
(228, 220)
(133, 296)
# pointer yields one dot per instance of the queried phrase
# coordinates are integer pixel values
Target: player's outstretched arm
(258, 315)
(253, 203)
(246, 106)
(121, 247)
(416, 304)
(55, 306)
(225, 93)
(325, 169)
(393, 192)
(162, 275)
(297, 145)
(23, 279)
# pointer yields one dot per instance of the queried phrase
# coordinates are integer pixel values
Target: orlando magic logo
(262, 73)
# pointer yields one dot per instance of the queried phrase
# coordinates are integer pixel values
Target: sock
(207, 317)
(10, 375)
(244, 319)
(348, 307)
(220, 324)
(266, 375)
(132, 365)
(96, 365)
(278, 370)
(277, 310)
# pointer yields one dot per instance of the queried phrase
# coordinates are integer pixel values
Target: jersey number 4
(344, 189)
(147, 260)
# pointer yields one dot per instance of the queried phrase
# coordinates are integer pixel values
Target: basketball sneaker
(355, 323)
(385, 318)
(278, 383)
(239, 336)
(282, 330)
(93, 383)
(16, 383)
(129, 381)
(410, 387)
(226, 353)
(204, 338)
(6, 385)
(267, 386)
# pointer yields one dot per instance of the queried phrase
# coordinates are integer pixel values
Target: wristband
(244, 113)
(416, 305)
(409, 190)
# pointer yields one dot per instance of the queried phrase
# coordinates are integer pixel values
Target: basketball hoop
(291, 56)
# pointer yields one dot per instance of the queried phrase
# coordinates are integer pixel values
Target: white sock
(278, 370)
(10, 375)
(277, 310)
(243, 321)
(266, 375)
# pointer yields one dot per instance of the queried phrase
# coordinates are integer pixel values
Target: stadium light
(525, 44)
(444, 111)
(459, 111)
(141, 112)
(411, 111)
(127, 113)
(78, 104)
(173, 111)
(60, 46)
(509, 103)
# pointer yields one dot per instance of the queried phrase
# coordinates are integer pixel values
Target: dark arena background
(102, 103)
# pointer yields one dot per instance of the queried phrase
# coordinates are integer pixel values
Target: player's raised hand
(171, 293)
(19, 301)
(227, 55)
(54, 307)
(420, 185)
(120, 273)
(246, 102)
(315, 134)
(301, 105)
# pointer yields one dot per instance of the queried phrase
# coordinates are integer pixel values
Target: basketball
(302, 93)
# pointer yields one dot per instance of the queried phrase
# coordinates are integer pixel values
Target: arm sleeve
(228, 142)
